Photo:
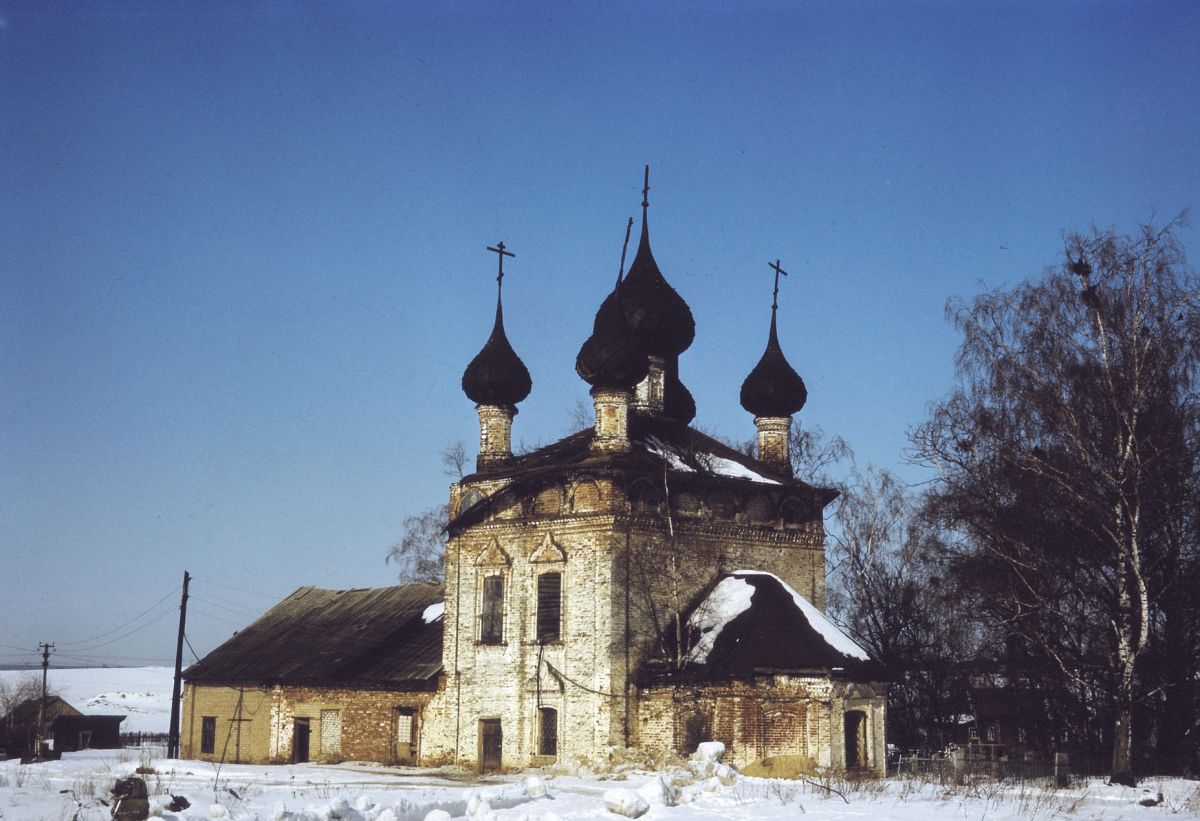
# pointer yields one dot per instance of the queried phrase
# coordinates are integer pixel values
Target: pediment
(548, 552)
(493, 555)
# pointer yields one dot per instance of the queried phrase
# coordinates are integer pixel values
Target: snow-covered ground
(362, 791)
(141, 694)
(359, 791)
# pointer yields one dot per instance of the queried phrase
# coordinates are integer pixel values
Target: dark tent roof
(750, 623)
(685, 452)
(314, 636)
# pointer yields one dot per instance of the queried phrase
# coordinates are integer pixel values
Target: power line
(170, 594)
(235, 609)
(239, 589)
(153, 621)
(220, 618)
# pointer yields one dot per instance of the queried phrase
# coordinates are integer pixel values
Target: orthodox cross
(646, 188)
(624, 248)
(775, 296)
(500, 255)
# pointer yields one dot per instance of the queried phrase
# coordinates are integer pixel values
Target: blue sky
(242, 265)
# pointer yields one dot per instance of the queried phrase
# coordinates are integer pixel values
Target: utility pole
(46, 649)
(173, 731)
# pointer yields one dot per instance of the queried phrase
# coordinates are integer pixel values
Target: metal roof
(373, 636)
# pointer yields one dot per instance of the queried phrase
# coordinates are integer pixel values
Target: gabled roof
(386, 636)
(27, 710)
(686, 453)
(751, 622)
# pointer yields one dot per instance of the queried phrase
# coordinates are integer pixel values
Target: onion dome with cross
(655, 311)
(774, 388)
(497, 376)
(612, 357)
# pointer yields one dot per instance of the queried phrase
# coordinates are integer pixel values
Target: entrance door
(406, 735)
(491, 742)
(856, 739)
(300, 735)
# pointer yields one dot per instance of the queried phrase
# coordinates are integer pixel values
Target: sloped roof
(386, 636)
(751, 622)
(27, 710)
(657, 442)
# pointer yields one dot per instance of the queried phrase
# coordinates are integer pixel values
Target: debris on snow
(709, 751)
(625, 802)
(660, 791)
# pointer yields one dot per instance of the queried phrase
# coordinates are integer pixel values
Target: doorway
(491, 742)
(406, 735)
(300, 737)
(856, 739)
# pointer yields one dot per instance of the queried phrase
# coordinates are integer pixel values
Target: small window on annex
(208, 734)
(549, 606)
(548, 731)
(491, 617)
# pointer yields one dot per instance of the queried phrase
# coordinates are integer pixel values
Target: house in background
(583, 584)
(67, 728)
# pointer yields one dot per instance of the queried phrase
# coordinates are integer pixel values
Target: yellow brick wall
(246, 740)
(365, 717)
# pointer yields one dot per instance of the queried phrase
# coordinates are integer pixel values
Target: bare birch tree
(1067, 458)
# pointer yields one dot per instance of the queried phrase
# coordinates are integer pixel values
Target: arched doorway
(856, 739)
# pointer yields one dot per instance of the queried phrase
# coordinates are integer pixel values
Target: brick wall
(344, 724)
(773, 716)
(617, 559)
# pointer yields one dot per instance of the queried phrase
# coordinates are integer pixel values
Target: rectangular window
(208, 734)
(331, 732)
(491, 630)
(549, 606)
(404, 726)
(548, 740)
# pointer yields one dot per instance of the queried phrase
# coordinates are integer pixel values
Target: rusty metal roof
(373, 636)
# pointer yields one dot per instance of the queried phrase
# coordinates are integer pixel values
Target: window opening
(548, 742)
(331, 732)
(208, 734)
(491, 629)
(549, 606)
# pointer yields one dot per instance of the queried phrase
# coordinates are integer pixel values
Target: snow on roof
(829, 631)
(668, 454)
(708, 461)
(728, 600)
(433, 612)
(751, 621)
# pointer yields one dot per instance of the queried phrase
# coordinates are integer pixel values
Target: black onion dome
(678, 403)
(655, 311)
(612, 357)
(496, 376)
(773, 388)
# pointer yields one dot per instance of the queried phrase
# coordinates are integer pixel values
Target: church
(637, 584)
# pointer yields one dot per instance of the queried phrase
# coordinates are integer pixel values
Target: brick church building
(637, 584)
